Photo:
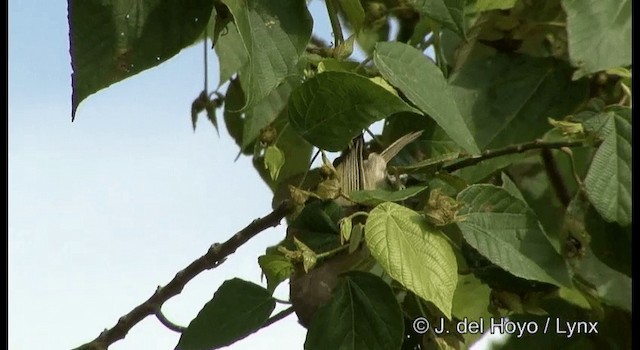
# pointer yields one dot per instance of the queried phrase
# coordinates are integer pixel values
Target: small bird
(356, 173)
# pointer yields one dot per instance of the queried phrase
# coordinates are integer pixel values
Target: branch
(277, 317)
(519, 148)
(214, 257)
(555, 178)
(335, 22)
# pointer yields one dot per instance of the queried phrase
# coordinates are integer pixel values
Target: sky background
(105, 209)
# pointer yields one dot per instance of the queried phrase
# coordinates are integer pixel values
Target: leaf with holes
(506, 231)
(413, 253)
(113, 40)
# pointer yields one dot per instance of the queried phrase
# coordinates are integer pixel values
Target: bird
(356, 173)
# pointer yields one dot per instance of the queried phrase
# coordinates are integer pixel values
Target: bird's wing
(397, 146)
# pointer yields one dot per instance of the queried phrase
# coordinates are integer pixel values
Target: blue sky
(103, 210)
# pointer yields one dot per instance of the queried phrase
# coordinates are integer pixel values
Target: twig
(335, 22)
(555, 178)
(519, 148)
(165, 322)
(214, 256)
(277, 317)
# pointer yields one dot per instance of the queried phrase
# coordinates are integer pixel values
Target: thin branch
(165, 322)
(277, 317)
(206, 68)
(555, 178)
(519, 148)
(214, 256)
(335, 22)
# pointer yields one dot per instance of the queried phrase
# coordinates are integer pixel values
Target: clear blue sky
(103, 210)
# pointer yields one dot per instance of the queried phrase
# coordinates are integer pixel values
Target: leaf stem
(332, 252)
(165, 322)
(335, 22)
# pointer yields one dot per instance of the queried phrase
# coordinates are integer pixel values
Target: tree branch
(277, 317)
(519, 148)
(335, 22)
(214, 257)
(555, 178)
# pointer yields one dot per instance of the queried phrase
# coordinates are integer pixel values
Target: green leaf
(267, 110)
(274, 34)
(613, 287)
(599, 34)
(273, 161)
(377, 196)
(353, 12)
(296, 151)
(331, 108)
(608, 182)
(413, 253)
(511, 187)
(486, 5)
(424, 85)
(113, 40)
(502, 228)
(276, 268)
(507, 99)
(238, 308)
(471, 300)
(449, 13)
(356, 237)
(345, 228)
(363, 314)
(232, 55)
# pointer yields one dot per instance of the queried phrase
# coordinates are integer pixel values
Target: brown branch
(214, 256)
(519, 148)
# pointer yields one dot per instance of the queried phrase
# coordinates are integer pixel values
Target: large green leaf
(613, 287)
(377, 196)
(363, 314)
(507, 98)
(449, 13)
(413, 253)
(608, 182)
(111, 40)
(353, 12)
(232, 55)
(238, 308)
(502, 228)
(331, 108)
(267, 110)
(599, 34)
(422, 82)
(274, 34)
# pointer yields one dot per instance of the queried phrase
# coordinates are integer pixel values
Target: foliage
(514, 201)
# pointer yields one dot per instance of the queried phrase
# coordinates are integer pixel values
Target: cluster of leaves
(483, 228)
